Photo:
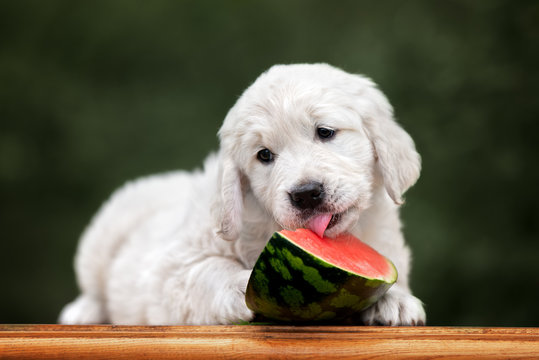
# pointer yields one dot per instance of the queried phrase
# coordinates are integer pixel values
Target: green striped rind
(290, 284)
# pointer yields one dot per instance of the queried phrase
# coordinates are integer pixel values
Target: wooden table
(264, 342)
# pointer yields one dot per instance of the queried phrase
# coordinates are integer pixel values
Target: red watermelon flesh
(345, 251)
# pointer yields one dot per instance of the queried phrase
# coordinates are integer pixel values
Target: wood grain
(265, 342)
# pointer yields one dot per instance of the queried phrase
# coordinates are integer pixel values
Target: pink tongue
(319, 223)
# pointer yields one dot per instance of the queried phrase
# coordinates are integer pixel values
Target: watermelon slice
(302, 277)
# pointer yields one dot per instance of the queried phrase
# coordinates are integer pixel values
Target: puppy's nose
(307, 196)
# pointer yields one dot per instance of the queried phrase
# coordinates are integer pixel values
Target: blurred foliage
(93, 93)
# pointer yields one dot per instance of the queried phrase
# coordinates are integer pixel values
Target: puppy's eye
(325, 133)
(265, 156)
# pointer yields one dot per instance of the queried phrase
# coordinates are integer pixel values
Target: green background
(93, 93)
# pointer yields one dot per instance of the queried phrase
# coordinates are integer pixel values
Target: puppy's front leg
(209, 291)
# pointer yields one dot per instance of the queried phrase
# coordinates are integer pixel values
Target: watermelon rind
(290, 284)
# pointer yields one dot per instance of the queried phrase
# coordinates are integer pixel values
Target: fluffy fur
(178, 248)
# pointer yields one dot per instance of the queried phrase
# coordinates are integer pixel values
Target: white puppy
(305, 146)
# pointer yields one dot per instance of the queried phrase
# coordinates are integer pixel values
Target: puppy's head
(312, 143)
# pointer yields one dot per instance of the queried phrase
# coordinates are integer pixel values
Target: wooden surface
(262, 342)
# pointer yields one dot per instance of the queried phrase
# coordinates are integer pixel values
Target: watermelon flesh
(302, 277)
(346, 252)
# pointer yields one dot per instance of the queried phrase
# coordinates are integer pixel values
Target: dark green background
(93, 93)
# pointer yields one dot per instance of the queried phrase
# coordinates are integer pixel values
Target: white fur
(178, 248)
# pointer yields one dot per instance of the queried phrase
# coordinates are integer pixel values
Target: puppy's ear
(397, 158)
(230, 205)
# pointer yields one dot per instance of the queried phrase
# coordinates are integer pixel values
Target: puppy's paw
(396, 307)
(84, 310)
(234, 306)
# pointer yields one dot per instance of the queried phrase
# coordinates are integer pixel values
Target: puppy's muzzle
(307, 196)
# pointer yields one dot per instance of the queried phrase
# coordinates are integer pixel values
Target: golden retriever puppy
(306, 145)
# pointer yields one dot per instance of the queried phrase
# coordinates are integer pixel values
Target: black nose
(307, 196)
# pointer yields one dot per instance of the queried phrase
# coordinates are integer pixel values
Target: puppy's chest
(251, 243)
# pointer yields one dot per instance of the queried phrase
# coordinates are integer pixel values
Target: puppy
(306, 145)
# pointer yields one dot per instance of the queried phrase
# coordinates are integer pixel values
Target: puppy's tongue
(319, 223)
